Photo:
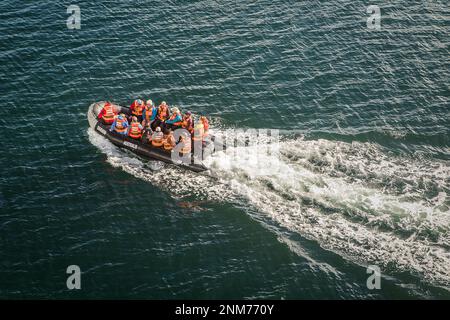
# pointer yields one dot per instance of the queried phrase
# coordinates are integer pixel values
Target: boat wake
(354, 199)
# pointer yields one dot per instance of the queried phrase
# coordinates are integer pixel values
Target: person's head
(188, 114)
(163, 103)
(149, 102)
(122, 115)
(175, 110)
(158, 129)
(202, 118)
(139, 102)
(134, 119)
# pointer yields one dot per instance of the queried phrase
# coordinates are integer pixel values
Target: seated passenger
(149, 113)
(157, 138)
(107, 114)
(175, 121)
(186, 144)
(161, 116)
(135, 129)
(188, 122)
(136, 109)
(120, 124)
(169, 141)
(147, 133)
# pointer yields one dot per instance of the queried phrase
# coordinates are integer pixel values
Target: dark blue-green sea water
(364, 157)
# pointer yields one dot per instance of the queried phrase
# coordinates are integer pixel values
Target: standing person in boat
(107, 113)
(169, 141)
(161, 116)
(188, 122)
(136, 109)
(175, 121)
(120, 124)
(205, 123)
(199, 131)
(157, 137)
(149, 113)
(135, 129)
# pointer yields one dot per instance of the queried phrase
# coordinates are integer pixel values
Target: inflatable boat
(138, 147)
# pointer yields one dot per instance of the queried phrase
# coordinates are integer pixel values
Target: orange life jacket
(187, 123)
(157, 139)
(108, 116)
(120, 125)
(137, 109)
(198, 132)
(148, 113)
(169, 142)
(135, 132)
(205, 126)
(163, 112)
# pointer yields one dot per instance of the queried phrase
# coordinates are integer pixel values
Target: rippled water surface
(364, 158)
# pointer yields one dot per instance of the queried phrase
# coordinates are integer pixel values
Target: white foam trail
(353, 199)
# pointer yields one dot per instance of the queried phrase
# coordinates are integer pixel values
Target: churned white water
(351, 198)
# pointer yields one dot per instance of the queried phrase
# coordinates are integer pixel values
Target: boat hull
(142, 149)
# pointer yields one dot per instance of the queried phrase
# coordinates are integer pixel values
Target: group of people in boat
(155, 125)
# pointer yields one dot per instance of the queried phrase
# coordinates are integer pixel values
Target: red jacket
(103, 111)
(133, 107)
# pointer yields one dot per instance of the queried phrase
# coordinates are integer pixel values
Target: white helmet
(149, 102)
(175, 110)
(158, 129)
